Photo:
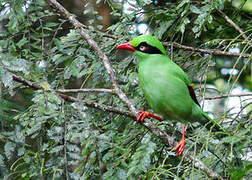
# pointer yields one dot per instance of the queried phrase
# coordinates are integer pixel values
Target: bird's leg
(181, 144)
(144, 114)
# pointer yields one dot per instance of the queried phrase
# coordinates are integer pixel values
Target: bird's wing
(181, 74)
(193, 95)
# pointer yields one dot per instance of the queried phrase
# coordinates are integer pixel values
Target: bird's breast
(164, 92)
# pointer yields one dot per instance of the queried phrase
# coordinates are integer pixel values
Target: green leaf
(164, 25)
(182, 3)
(141, 159)
(195, 10)
(182, 27)
(57, 149)
(108, 174)
(76, 68)
(99, 18)
(99, 27)
(22, 42)
(6, 78)
(240, 173)
(9, 148)
(1, 160)
(121, 174)
(37, 55)
(21, 151)
(16, 64)
(51, 24)
(86, 11)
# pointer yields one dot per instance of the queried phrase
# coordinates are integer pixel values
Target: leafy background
(44, 136)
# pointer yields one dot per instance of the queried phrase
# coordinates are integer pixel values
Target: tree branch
(72, 99)
(158, 132)
(25, 82)
(235, 26)
(194, 49)
(231, 22)
(227, 95)
(104, 90)
(85, 90)
(152, 127)
(207, 51)
(98, 106)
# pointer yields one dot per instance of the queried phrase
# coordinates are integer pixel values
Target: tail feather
(213, 126)
(208, 122)
(220, 132)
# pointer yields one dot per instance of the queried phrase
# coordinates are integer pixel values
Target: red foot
(144, 114)
(181, 144)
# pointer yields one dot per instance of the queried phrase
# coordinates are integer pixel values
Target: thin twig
(85, 90)
(228, 95)
(231, 22)
(207, 51)
(98, 106)
(25, 82)
(194, 49)
(235, 26)
(148, 124)
(67, 98)
(104, 90)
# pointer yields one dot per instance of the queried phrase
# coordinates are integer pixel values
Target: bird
(166, 87)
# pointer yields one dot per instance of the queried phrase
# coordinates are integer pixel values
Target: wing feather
(192, 94)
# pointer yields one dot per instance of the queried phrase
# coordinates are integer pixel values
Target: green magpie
(165, 85)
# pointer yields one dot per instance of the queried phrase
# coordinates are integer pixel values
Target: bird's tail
(220, 132)
(213, 126)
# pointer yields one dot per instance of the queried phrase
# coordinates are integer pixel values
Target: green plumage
(165, 85)
(152, 41)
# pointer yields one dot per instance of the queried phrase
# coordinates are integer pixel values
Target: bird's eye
(142, 48)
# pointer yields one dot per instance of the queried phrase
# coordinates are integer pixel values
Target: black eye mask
(148, 49)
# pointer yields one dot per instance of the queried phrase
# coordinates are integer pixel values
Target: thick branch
(106, 108)
(166, 139)
(163, 135)
(95, 46)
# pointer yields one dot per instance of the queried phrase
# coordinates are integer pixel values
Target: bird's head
(144, 44)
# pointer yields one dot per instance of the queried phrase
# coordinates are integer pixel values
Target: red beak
(125, 46)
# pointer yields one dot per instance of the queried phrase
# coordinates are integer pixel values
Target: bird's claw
(144, 114)
(180, 147)
(181, 144)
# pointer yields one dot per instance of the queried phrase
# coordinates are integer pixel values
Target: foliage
(44, 136)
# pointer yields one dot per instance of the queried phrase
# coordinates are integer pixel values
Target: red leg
(181, 144)
(144, 114)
